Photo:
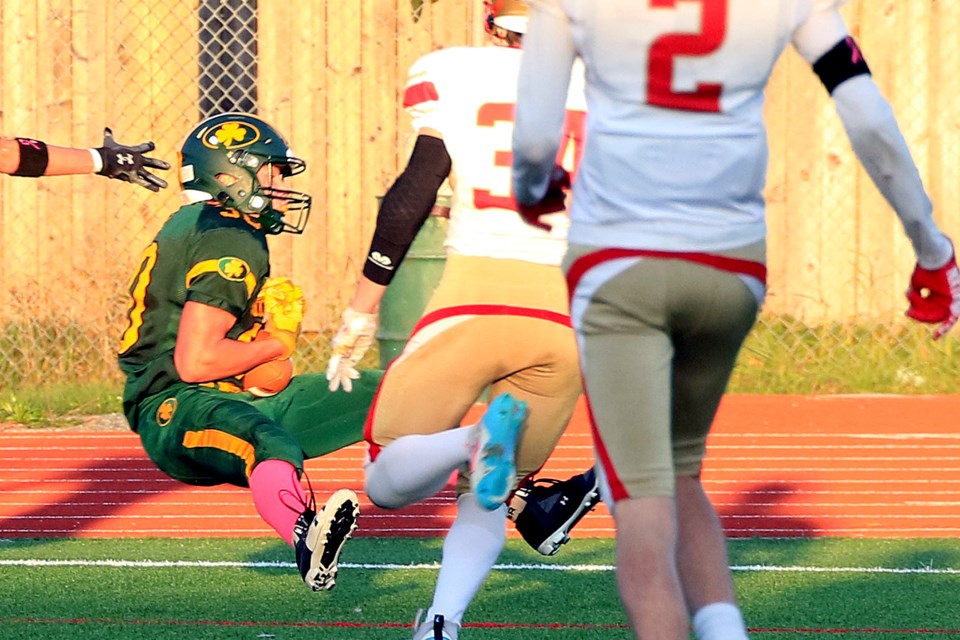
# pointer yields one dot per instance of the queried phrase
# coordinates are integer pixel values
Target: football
(269, 378)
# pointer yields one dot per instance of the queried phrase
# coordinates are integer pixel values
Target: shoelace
(299, 505)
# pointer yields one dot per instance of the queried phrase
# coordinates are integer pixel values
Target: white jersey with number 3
(468, 94)
(676, 153)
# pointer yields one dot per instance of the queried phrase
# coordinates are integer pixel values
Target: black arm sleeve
(405, 208)
(842, 62)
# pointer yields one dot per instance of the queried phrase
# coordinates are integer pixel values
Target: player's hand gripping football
(349, 346)
(128, 164)
(553, 201)
(282, 312)
(934, 296)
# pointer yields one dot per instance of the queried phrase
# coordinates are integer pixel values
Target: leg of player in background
(646, 572)
(416, 467)
(470, 550)
(703, 565)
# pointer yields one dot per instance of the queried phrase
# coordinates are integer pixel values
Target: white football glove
(349, 346)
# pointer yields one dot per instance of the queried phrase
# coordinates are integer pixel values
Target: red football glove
(934, 296)
(553, 201)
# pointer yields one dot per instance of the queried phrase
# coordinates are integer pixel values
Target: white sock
(720, 621)
(415, 467)
(470, 550)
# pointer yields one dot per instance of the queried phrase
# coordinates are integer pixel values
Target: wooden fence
(331, 75)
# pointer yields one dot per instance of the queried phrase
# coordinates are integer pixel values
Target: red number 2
(713, 27)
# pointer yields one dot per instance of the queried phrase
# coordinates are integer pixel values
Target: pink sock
(278, 495)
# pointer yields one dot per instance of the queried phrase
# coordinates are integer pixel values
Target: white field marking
(433, 566)
(318, 467)
(155, 479)
(34, 458)
(113, 492)
(85, 481)
(323, 473)
(826, 470)
(877, 436)
(230, 510)
(736, 534)
(852, 492)
(818, 505)
(866, 458)
(766, 532)
(196, 498)
(129, 503)
(193, 500)
(783, 473)
(820, 516)
(239, 493)
(858, 447)
(129, 442)
(709, 481)
(149, 473)
(417, 511)
(144, 470)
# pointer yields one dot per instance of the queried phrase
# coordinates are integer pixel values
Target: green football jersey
(204, 253)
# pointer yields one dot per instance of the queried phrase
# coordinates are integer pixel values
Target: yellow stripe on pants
(216, 439)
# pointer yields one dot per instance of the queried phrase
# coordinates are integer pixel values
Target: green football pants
(202, 436)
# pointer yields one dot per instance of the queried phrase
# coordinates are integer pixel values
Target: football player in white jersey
(666, 262)
(498, 319)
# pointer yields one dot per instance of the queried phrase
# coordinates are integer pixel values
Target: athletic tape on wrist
(97, 159)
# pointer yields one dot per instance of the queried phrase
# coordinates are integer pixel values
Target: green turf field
(248, 588)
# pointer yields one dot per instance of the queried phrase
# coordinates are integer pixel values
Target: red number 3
(713, 27)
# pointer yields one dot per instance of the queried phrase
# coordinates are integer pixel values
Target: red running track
(779, 466)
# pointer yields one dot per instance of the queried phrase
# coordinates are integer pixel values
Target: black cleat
(552, 508)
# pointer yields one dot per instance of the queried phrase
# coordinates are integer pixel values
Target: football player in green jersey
(203, 311)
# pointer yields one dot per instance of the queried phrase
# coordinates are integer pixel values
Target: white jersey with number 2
(676, 153)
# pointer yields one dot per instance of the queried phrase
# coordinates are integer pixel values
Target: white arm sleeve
(876, 138)
(548, 57)
(878, 143)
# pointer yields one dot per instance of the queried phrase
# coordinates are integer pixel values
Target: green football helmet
(220, 158)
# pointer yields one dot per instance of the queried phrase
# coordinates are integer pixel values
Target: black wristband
(33, 158)
(842, 62)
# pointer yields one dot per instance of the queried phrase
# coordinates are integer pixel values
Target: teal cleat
(493, 466)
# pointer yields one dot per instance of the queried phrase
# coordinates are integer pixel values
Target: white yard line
(433, 566)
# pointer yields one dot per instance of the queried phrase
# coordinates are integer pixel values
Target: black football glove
(121, 162)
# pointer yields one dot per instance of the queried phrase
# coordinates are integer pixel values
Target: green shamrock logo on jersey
(233, 269)
(165, 411)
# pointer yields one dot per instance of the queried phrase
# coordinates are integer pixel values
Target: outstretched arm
(32, 158)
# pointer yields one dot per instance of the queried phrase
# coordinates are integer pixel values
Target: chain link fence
(331, 76)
